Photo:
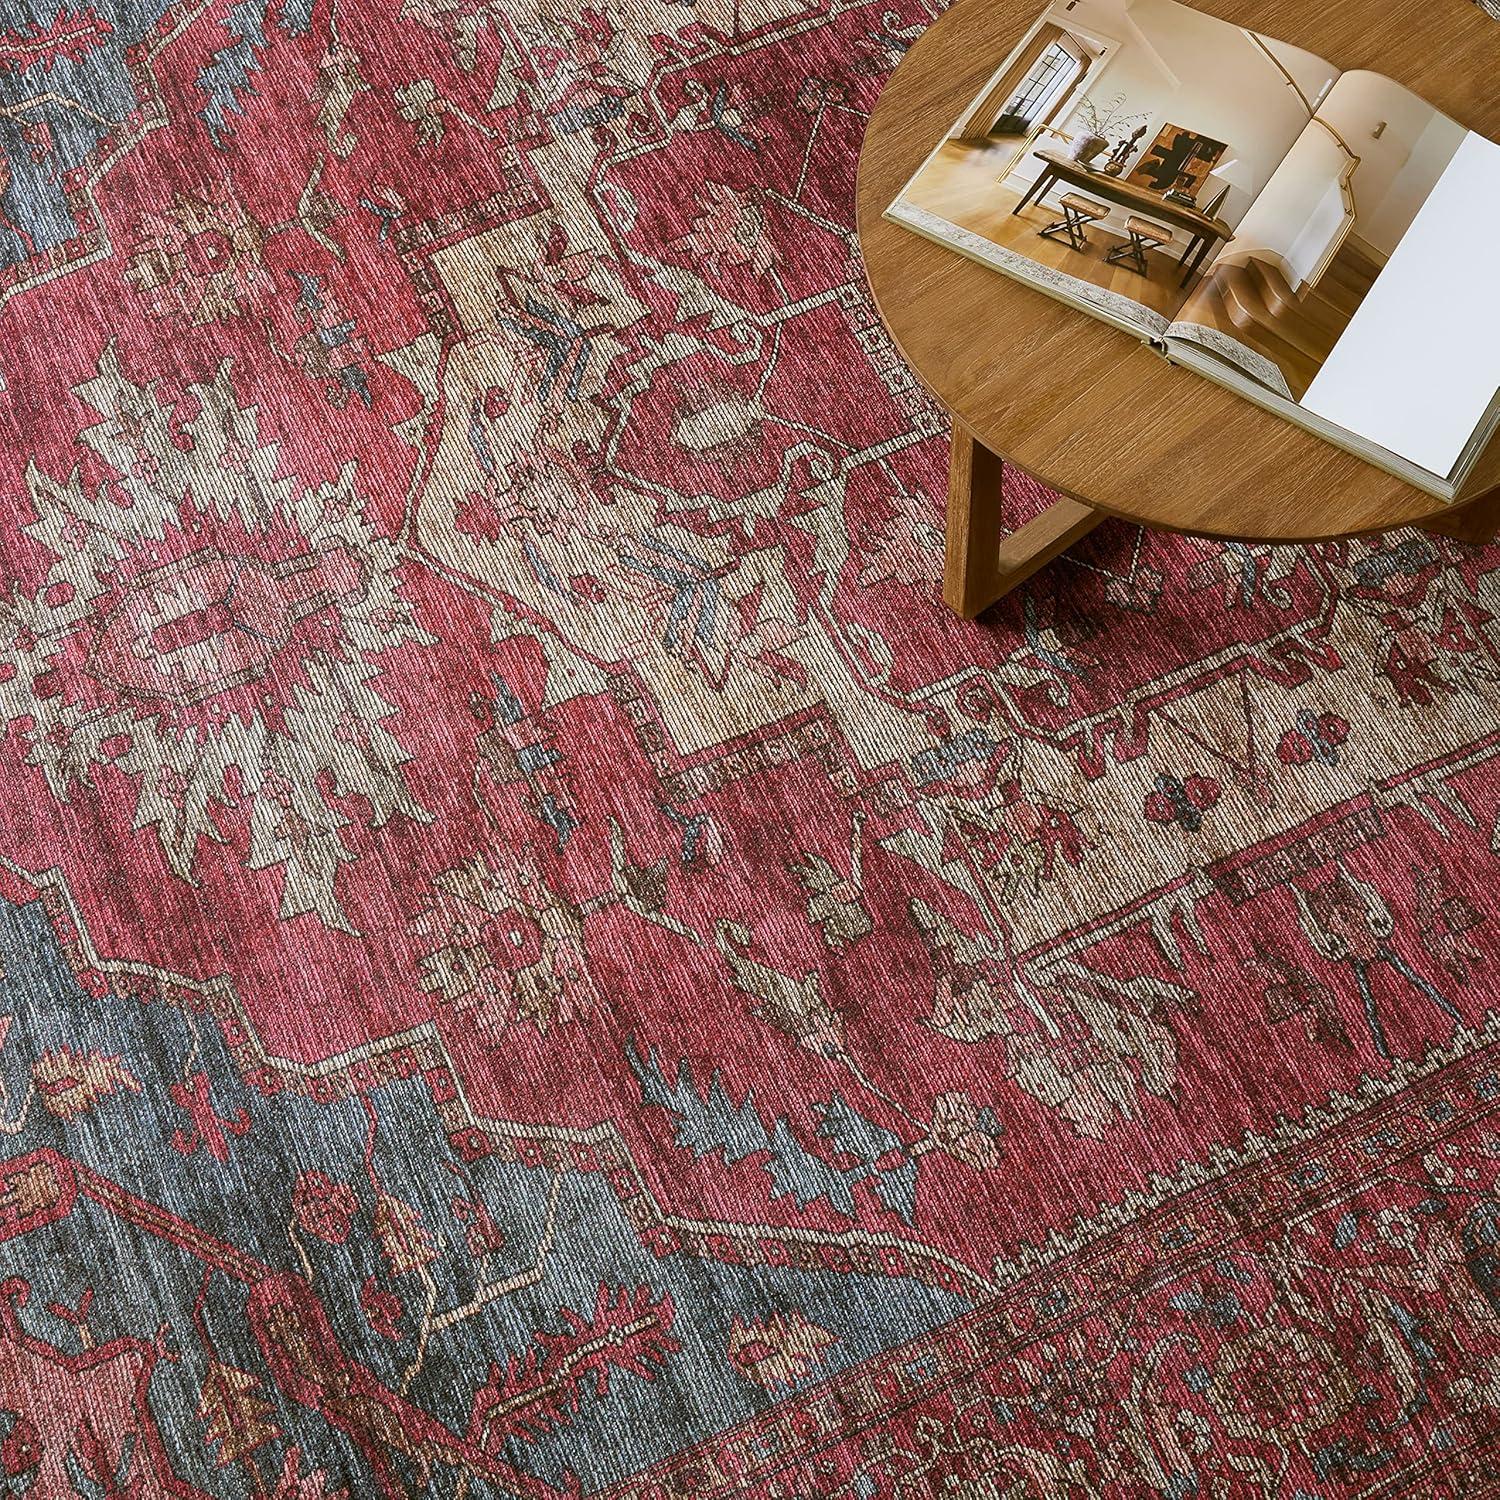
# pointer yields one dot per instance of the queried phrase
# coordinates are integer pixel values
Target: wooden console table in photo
(1204, 234)
(1092, 412)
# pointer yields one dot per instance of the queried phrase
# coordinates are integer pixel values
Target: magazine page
(1359, 283)
(1281, 293)
(1113, 153)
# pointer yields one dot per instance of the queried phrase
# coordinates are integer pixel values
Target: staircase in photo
(1256, 304)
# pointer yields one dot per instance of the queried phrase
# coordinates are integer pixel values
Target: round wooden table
(1092, 412)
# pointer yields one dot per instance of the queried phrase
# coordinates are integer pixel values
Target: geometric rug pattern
(537, 959)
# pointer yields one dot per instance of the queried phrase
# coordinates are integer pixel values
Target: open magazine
(1322, 242)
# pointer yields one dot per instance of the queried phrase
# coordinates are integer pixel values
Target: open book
(1322, 242)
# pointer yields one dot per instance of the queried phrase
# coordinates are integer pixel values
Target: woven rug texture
(537, 959)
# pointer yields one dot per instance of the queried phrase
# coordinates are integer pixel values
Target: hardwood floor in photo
(959, 184)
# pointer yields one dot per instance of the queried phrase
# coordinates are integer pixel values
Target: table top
(1091, 411)
(1148, 200)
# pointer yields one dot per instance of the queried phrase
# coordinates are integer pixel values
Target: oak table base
(983, 562)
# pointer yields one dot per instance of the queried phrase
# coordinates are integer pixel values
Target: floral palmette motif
(905, 548)
(968, 1133)
(237, 1418)
(1080, 1042)
(730, 230)
(504, 947)
(323, 1207)
(210, 629)
(835, 902)
(404, 1240)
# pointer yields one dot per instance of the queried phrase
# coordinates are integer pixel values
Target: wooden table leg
(983, 564)
(1478, 522)
(1037, 189)
(1198, 260)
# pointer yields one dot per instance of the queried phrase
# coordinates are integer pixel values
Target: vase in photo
(1086, 146)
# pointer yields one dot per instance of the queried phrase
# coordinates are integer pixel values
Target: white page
(1419, 363)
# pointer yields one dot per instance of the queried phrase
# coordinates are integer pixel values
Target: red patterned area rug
(538, 960)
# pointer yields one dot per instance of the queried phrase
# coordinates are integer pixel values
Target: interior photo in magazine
(1170, 100)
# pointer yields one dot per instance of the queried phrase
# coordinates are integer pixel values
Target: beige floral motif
(960, 1460)
(505, 947)
(835, 902)
(795, 1007)
(958, 1127)
(779, 1350)
(720, 423)
(730, 230)
(72, 1083)
(402, 1236)
(1069, 1385)
(339, 82)
(968, 1000)
(199, 261)
(237, 1418)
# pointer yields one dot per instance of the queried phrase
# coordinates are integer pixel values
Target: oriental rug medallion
(537, 960)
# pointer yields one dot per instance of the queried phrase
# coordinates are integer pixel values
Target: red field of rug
(536, 959)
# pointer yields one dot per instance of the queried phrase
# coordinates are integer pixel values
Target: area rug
(538, 960)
